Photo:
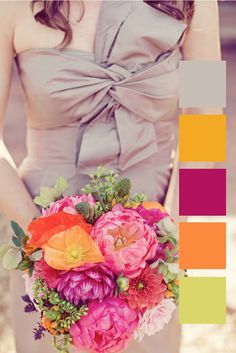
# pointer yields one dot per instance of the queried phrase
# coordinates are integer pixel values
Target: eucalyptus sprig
(14, 255)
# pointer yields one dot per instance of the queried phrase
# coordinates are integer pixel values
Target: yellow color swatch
(202, 138)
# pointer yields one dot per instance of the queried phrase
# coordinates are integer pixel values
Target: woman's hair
(55, 13)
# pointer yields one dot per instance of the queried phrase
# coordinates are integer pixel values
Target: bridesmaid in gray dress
(113, 105)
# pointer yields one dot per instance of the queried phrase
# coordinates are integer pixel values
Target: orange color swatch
(202, 245)
(202, 138)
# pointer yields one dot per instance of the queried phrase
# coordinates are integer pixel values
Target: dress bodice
(115, 99)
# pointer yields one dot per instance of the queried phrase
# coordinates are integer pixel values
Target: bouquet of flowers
(100, 267)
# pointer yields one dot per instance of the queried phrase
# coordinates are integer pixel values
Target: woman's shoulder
(11, 11)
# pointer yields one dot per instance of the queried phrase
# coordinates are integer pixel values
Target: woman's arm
(15, 201)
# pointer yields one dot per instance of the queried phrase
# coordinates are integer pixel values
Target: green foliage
(90, 213)
(25, 264)
(12, 258)
(60, 312)
(63, 345)
(48, 194)
(18, 231)
(109, 191)
(3, 249)
(37, 255)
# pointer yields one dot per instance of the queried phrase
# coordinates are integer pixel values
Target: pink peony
(108, 327)
(151, 216)
(126, 242)
(89, 282)
(67, 204)
(155, 319)
(47, 273)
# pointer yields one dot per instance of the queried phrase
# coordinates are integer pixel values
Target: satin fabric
(115, 107)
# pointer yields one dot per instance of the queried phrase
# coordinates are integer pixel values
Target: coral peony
(41, 229)
(154, 320)
(94, 281)
(71, 248)
(108, 327)
(127, 243)
(67, 204)
(146, 290)
(152, 215)
(48, 274)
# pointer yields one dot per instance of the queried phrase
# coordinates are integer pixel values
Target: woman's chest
(82, 23)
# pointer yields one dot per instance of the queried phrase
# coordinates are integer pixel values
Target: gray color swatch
(202, 84)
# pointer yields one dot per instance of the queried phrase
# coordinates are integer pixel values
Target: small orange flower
(169, 294)
(43, 228)
(49, 325)
(71, 248)
(151, 204)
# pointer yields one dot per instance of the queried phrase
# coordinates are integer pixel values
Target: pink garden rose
(155, 319)
(67, 204)
(126, 241)
(108, 327)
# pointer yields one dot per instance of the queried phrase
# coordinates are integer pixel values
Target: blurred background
(196, 338)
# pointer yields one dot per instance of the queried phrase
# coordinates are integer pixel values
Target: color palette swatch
(202, 245)
(202, 300)
(202, 192)
(202, 84)
(202, 138)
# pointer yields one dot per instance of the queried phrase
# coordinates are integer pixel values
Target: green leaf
(24, 240)
(31, 270)
(37, 255)
(51, 315)
(60, 186)
(12, 258)
(51, 194)
(25, 264)
(17, 242)
(47, 195)
(3, 249)
(17, 230)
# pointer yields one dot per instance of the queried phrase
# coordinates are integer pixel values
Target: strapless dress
(115, 107)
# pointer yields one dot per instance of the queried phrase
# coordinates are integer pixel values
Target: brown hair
(55, 13)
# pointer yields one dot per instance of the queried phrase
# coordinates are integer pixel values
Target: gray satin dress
(114, 107)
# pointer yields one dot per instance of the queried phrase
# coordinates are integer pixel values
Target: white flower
(155, 319)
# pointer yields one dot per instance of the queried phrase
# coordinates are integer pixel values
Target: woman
(101, 85)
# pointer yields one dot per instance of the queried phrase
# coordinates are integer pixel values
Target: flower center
(140, 285)
(123, 237)
(73, 254)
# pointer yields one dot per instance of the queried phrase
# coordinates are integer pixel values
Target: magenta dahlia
(89, 282)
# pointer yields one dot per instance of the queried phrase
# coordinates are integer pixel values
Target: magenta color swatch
(202, 192)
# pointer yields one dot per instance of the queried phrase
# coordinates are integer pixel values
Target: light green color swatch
(202, 300)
